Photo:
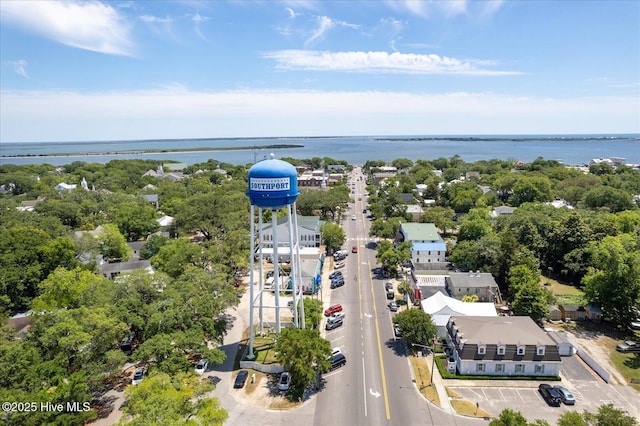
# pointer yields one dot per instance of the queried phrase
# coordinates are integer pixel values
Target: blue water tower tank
(273, 184)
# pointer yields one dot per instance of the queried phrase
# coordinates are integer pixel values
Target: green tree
(521, 276)
(612, 199)
(532, 300)
(609, 415)
(151, 247)
(509, 417)
(416, 326)
(571, 418)
(161, 399)
(63, 289)
(475, 225)
(305, 354)
(441, 217)
(175, 255)
(333, 236)
(312, 312)
(385, 228)
(27, 256)
(113, 245)
(529, 189)
(136, 220)
(465, 256)
(614, 281)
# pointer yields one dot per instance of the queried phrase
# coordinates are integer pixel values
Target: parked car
(628, 346)
(566, 396)
(138, 376)
(336, 284)
(332, 309)
(335, 274)
(393, 307)
(550, 395)
(338, 360)
(390, 294)
(335, 351)
(353, 217)
(333, 324)
(241, 378)
(338, 316)
(635, 324)
(201, 366)
(396, 331)
(388, 286)
(284, 382)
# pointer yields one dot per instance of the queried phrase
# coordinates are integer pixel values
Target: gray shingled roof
(508, 331)
(472, 279)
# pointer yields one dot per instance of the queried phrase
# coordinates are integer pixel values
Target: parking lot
(589, 391)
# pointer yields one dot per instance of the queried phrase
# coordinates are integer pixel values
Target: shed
(593, 313)
(555, 314)
(573, 312)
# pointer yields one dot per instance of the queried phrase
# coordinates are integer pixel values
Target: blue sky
(189, 69)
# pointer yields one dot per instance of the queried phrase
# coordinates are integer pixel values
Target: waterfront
(570, 149)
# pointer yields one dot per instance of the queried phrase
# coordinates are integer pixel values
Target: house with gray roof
(308, 232)
(481, 284)
(501, 346)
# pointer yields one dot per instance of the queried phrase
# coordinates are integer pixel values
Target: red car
(354, 249)
(332, 309)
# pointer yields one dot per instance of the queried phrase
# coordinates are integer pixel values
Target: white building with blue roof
(427, 247)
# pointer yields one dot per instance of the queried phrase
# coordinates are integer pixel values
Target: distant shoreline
(155, 151)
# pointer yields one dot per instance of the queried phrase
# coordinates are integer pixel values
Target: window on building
(539, 368)
(482, 349)
(519, 369)
(540, 350)
(501, 350)
(499, 368)
(520, 350)
(479, 368)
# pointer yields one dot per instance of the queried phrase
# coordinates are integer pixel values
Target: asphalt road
(375, 387)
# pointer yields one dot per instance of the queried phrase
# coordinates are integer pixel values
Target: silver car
(566, 396)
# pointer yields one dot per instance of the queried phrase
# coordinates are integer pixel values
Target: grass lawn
(468, 408)
(628, 365)
(565, 294)
(423, 379)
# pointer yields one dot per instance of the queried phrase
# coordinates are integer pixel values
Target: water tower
(273, 185)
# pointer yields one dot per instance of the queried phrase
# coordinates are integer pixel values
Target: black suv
(551, 395)
(338, 360)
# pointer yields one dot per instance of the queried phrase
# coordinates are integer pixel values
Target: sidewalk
(439, 384)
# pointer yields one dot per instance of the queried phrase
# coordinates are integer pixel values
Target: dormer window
(501, 350)
(482, 349)
(520, 350)
(540, 350)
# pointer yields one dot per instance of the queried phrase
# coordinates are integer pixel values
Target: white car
(335, 351)
(284, 382)
(353, 217)
(201, 366)
(338, 316)
(138, 375)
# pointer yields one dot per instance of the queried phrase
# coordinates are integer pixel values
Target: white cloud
(446, 8)
(177, 112)
(91, 26)
(155, 19)
(380, 62)
(325, 24)
(292, 13)
(19, 66)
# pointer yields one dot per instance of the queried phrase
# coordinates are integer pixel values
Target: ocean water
(570, 149)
